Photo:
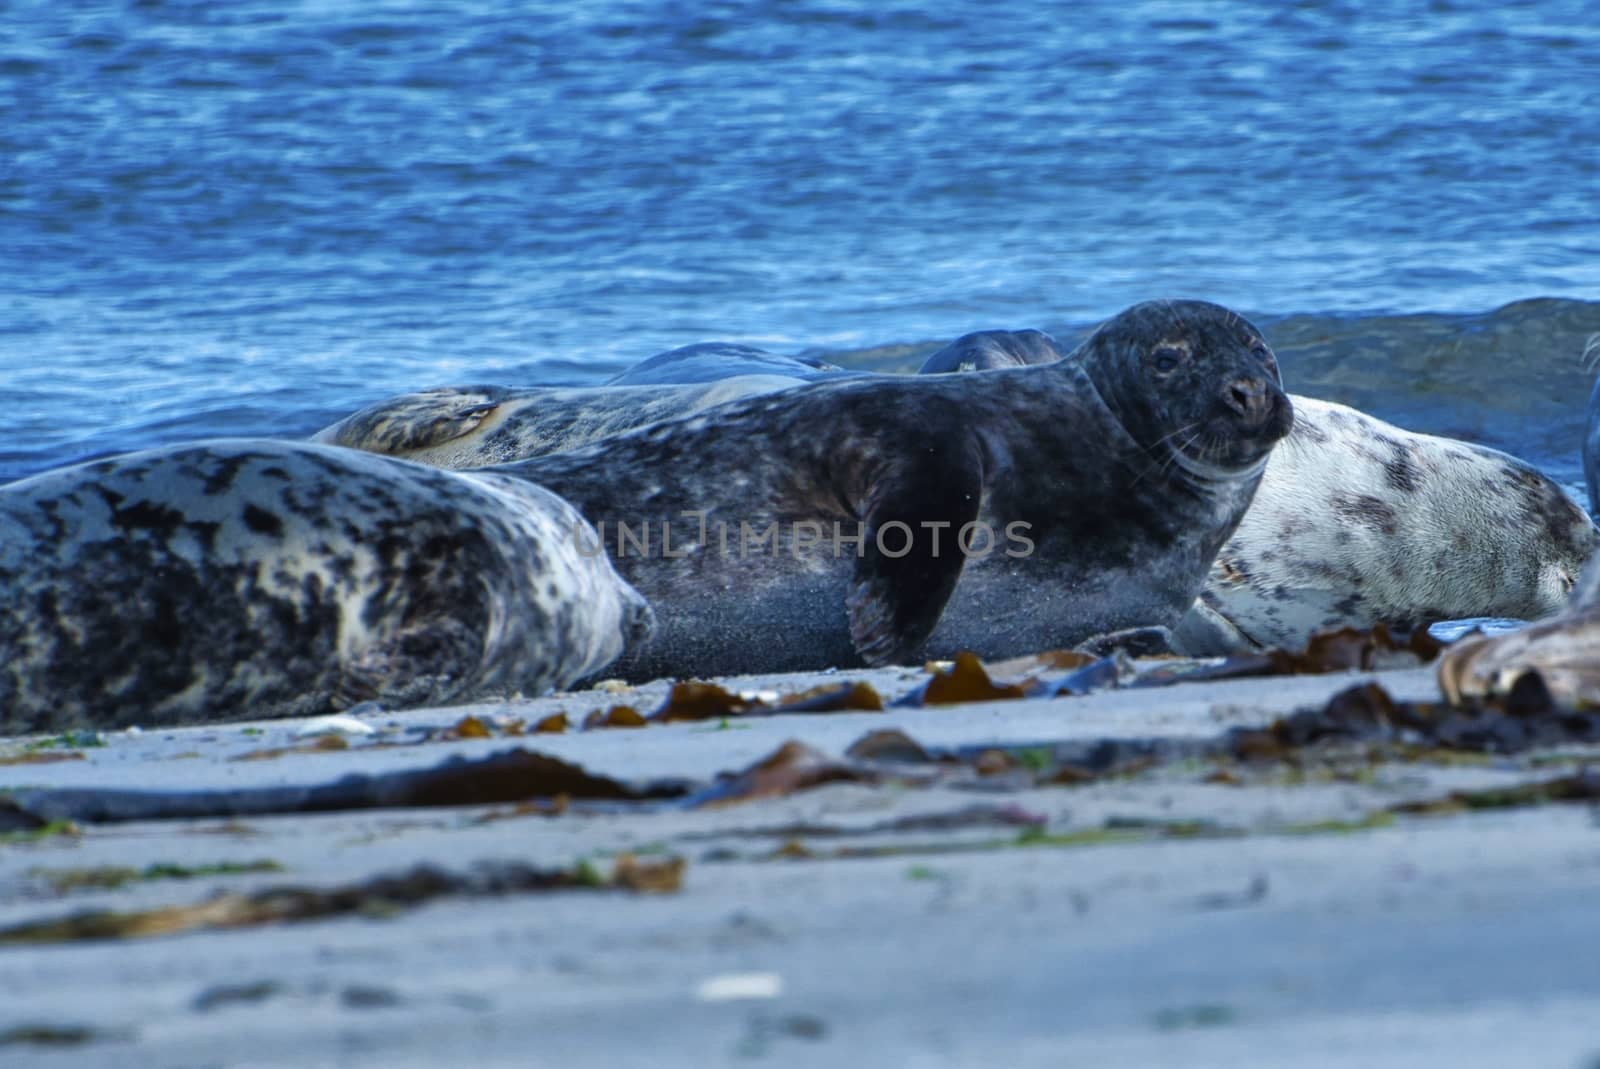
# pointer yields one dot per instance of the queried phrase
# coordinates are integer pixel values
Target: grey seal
(1359, 522)
(477, 426)
(986, 350)
(1103, 485)
(241, 578)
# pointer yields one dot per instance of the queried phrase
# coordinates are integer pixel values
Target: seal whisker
(1163, 460)
(1591, 352)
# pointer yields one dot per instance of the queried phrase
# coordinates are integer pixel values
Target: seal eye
(1260, 350)
(1166, 359)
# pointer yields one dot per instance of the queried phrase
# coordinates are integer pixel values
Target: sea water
(252, 217)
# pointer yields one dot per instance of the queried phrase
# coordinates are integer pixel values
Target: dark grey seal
(240, 579)
(1092, 495)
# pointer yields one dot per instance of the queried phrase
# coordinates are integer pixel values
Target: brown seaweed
(511, 776)
(381, 895)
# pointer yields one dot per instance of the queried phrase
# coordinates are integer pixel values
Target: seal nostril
(1247, 398)
(1250, 399)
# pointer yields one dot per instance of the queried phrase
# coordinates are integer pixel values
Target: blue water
(248, 217)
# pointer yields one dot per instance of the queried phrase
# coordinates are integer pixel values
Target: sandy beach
(1187, 913)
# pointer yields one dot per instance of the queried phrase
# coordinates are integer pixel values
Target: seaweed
(104, 877)
(382, 896)
(695, 700)
(516, 775)
(794, 766)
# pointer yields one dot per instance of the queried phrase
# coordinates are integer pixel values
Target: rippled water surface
(251, 217)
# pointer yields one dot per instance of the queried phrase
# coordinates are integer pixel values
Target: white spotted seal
(477, 426)
(1359, 522)
(1093, 494)
(242, 578)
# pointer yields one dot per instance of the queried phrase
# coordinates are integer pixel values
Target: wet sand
(1179, 915)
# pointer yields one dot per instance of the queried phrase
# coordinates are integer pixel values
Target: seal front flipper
(415, 420)
(911, 556)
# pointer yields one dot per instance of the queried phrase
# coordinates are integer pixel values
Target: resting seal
(1359, 522)
(1104, 486)
(477, 426)
(986, 350)
(239, 578)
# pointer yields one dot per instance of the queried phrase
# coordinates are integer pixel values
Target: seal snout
(1250, 399)
(1259, 406)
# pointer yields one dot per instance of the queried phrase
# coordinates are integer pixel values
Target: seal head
(1193, 382)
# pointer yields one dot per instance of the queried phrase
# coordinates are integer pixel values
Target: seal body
(987, 350)
(240, 579)
(1359, 522)
(1093, 494)
(477, 426)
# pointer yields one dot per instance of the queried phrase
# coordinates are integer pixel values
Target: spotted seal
(477, 426)
(243, 578)
(1359, 522)
(1091, 494)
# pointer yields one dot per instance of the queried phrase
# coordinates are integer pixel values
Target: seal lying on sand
(1091, 495)
(239, 578)
(1359, 522)
(1564, 650)
(477, 426)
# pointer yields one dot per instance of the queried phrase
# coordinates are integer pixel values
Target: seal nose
(1249, 399)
